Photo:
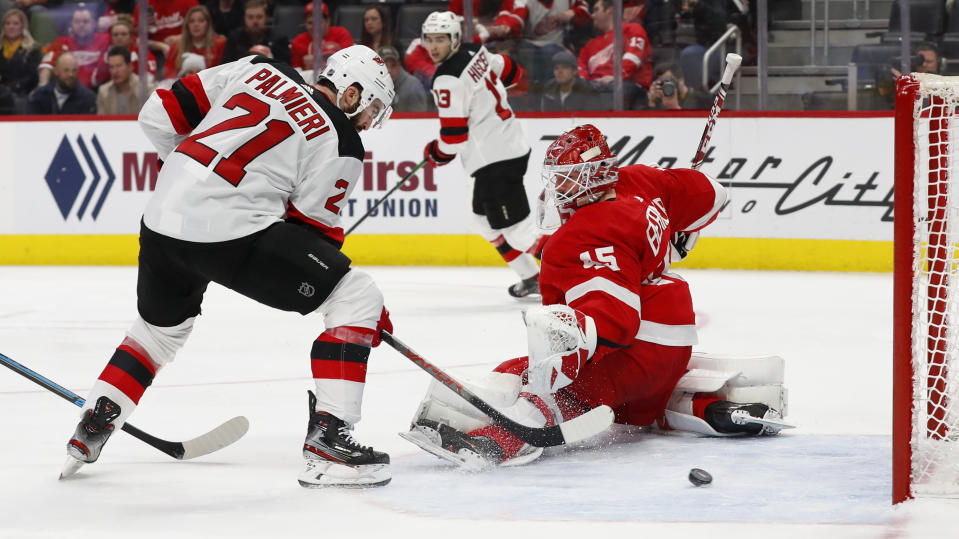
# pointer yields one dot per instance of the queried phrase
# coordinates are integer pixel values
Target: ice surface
(830, 477)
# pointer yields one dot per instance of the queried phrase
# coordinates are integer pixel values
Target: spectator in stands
(256, 30)
(596, 58)
(540, 26)
(40, 15)
(164, 21)
(334, 38)
(419, 64)
(926, 60)
(196, 36)
(567, 91)
(122, 34)
(669, 91)
(122, 95)
(111, 13)
(410, 94)
(227, 15)
(417, 59)
(86, 45)
(659, 21)
(64, 94)
(377, 28)
(18, 63)
(709, 19)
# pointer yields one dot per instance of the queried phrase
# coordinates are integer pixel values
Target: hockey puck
(699, 477)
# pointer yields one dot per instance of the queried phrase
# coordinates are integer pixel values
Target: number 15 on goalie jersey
(245, 145)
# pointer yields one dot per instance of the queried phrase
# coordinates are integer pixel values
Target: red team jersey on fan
(596, 57)
(610, 258)
(336, 38)
(211, 56)
(245, 145)
(87, 54)
(169, 16)
(523, 17)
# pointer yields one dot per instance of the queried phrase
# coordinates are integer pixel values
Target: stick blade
(216, 439)
(589, 424)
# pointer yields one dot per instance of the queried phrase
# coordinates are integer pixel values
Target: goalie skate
(771, 421)
(471, 453)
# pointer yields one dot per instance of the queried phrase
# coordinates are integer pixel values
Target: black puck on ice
(699, 477)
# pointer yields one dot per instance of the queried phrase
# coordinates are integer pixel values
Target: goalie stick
(579, 428)
(216, 439)
(732, 64)
(384, 197)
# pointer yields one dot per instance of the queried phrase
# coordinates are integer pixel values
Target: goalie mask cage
(926, 289)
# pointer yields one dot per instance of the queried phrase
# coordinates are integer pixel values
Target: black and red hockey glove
(434, 155)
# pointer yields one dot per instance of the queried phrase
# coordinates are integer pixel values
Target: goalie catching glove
(561, 341)
(434, 155)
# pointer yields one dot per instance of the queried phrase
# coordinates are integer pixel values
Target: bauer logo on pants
(307, 290)
(76, 189)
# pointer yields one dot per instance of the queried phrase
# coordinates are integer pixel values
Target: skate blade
(774, 425)
(324, 474)
(70, 467)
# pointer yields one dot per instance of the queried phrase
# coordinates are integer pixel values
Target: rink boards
(807, 191)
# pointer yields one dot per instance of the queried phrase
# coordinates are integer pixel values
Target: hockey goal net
(926, 289)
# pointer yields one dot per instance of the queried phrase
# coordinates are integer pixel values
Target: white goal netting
(935, 291)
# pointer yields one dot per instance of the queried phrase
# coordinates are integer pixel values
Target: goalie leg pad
(441, 404)
(749, 370)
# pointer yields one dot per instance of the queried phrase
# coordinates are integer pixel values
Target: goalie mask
(579, 169)
(361, 66)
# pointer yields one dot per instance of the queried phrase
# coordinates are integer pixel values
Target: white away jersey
(244, 145)
(476, 121)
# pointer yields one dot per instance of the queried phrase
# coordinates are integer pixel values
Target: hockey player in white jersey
(477, 123)
(255, 167)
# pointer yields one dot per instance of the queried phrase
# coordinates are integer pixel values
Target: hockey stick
(589, 424)
(218, 438)
(387, 195)
(732, 64)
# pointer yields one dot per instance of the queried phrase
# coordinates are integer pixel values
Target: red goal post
(926, 289)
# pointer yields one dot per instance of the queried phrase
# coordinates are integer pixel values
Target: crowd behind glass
(68, 57)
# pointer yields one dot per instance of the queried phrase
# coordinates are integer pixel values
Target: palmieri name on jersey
(298, 106)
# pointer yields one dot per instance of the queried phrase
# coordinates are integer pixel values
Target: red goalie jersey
(611, 258)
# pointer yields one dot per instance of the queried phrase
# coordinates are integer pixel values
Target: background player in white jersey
(255, 166)
(477, 123)
(616, 328)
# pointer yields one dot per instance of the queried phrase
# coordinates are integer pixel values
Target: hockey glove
(560, 340)
(383, 323)
(681, 244)
(434, 155)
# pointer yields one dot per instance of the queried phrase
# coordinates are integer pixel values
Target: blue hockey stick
(218, 438)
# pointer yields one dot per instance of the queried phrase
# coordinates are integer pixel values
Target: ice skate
(91, 435)
(525, 288)
(757, 419)
(335, 459)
